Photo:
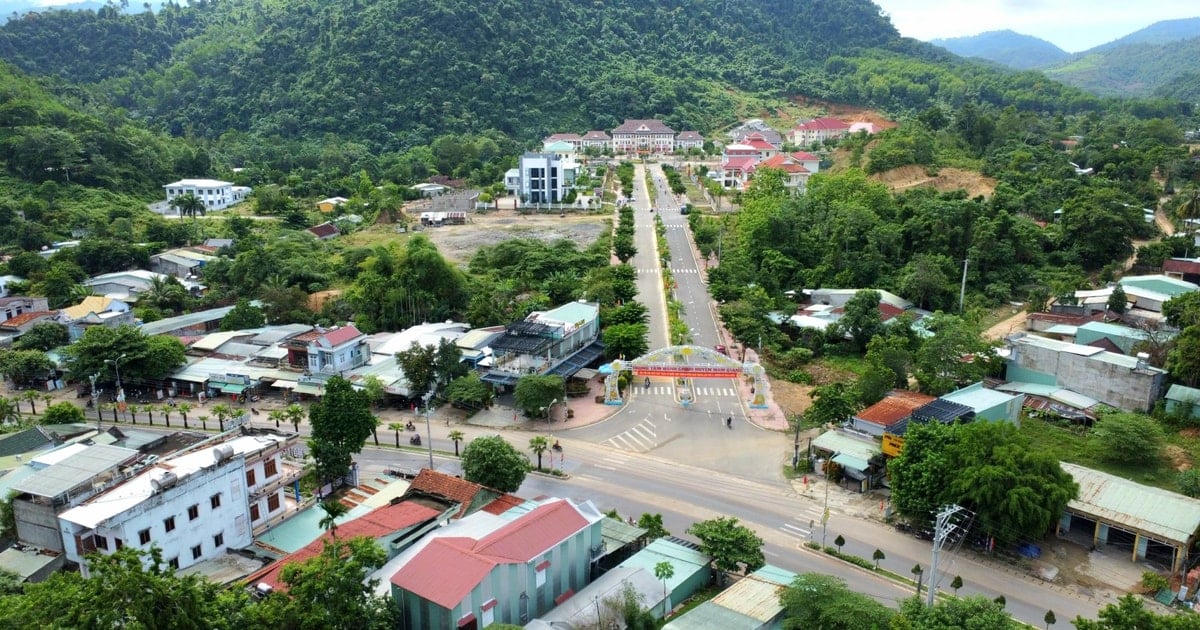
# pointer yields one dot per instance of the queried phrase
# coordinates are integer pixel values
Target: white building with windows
(542, 177)
(644, 136)
(193, 506)
(214, 193)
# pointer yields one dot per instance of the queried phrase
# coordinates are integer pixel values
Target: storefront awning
(284, 384)
(312, 389)
(230, 388)
(850, 462)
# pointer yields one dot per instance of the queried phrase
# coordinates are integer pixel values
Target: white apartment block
(543, 177)
(214, 193)
(193, 506)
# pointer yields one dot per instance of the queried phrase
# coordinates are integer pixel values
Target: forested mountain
(1007, 48)
(393, 74)
(1136, 70)
(1163, 32)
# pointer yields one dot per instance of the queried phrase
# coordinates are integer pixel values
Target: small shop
(855, 463)
(234, 387)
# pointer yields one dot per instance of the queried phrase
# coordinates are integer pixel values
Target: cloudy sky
(1072, 25)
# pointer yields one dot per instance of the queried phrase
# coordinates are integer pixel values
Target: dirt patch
(792, 398)
(317, 301)
(458, 243)
(945, 180)
(1181, 460)
(1191, 433)
(846, 113)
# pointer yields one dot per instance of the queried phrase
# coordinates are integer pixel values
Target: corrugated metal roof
(686, 562)
(572, 312)
(840, 443)
(756, 598)
(1183, 393)
(710, 616)
(79, 469)
(775, 574)
(169, 324)
(1165, 516)
(1062, 329)
(619, 532)
(979, 398)
(580, 610)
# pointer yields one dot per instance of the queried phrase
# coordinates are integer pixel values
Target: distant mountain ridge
(1007, 47)
(1159, 33)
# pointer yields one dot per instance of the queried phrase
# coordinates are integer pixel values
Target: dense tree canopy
(493, 462)
(341, 423)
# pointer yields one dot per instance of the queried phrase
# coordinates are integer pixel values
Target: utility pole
(825, 514)
(96, 400)
(962, 291)
(942, 527)
(428, 433)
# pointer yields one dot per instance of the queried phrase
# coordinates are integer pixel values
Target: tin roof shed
(1154, 512)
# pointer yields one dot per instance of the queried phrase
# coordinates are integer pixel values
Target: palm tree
(10, 412)
(184, 408)
(456, 436)
(276, 415)
(222, 411)
(396, 426)
(664, 571)
(295, 414)
(149, 409)
(31, 397)
(165, 410)
(333, 510)
(78, 292)
(165, 292)
(204, 422)
(539, 444)
(188, 204)
(375, 429)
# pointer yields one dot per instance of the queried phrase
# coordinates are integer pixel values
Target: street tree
(956, 584)
(428, 367)
(833, 403)
(631, 312)
(44, 336)
(534, 393)
(839, 542)
(815, 600)
(63, 413)
(1130, 612)
(397, 428)
(955, 354)
(974, 612)
(732, 546)
(1183, 361)
(625, 340)
(25, 367)
(491, 461)
(1050, 619)
(294, 413)
(470, 392)
(341, 423)
(539, 444)
(10, 411)
(332, 510)
(455, 436)
(1127, 438)
(878, 556)
(145, 358)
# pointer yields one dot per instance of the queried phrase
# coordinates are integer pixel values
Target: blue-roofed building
(989, 404)
(559, 341)
(1183, 400)
(692, 570)
(751, 603)
(1122, 338)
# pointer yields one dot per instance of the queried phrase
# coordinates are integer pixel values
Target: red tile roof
(783, 162)
(339, 336)
(805, 156)
(377, 523)
(760, 144)
(689, 135)
(818, 124)
(448, 568)
(596, 135)
(25, 318)
(887, 311)
(1181, 265)
(635, 126)
(503, 504)
(566, 137)
(450, 487)
(740, 163)
(323, 230)
(897, 406)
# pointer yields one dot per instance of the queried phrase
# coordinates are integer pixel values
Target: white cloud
(1073, 25)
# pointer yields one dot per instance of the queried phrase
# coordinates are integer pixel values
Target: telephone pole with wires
(943, 528)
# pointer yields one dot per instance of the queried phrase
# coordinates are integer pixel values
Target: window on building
(254, 512)
(169, 523)
(219, 540)
(102, 542)
(173, 562)
(214, 501)
(489, 614)
(250, 477)
(120, 543)
(144, 536)
(273, 502)
(541, 574)
(193, 512)
(196, 551)
(269, 468)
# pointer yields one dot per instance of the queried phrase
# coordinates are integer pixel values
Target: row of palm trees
(10, 408)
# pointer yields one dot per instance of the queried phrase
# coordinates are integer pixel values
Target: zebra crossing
(656, 270)
(639, 439)
(805, 523)
(667, 390)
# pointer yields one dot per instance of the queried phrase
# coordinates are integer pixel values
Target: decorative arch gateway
(686, 362)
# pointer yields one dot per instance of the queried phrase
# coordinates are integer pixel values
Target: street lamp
(428, 433)
(116, 363)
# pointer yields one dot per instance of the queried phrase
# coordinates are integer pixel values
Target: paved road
(654, 419)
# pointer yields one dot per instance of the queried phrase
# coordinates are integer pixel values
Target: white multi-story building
(193, 506)
(542, 177)
(649, 136)
(214, 193)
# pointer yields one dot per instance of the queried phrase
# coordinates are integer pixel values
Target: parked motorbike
(415, 440)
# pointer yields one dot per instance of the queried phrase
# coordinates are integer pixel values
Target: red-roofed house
(895, 408)
(818, 130)
(394, 527)
(651, 136)
(762, 147)
(20, 324)
(330, 351)
(443, 489)
(324, 232)
(797, 167)
(487, 569)
(736, 171)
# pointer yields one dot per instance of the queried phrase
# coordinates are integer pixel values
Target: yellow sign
(892, 444)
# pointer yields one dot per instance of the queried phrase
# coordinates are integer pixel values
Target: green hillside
(1135, 70)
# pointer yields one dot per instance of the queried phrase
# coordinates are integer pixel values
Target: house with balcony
(687, 140)
(643, 136)
(329, 351)
(214, 194)
(560, 341)
(596, 140)
(797, 167)
(194, 506)
(572, 140)
(762, 148)
(506, 568)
